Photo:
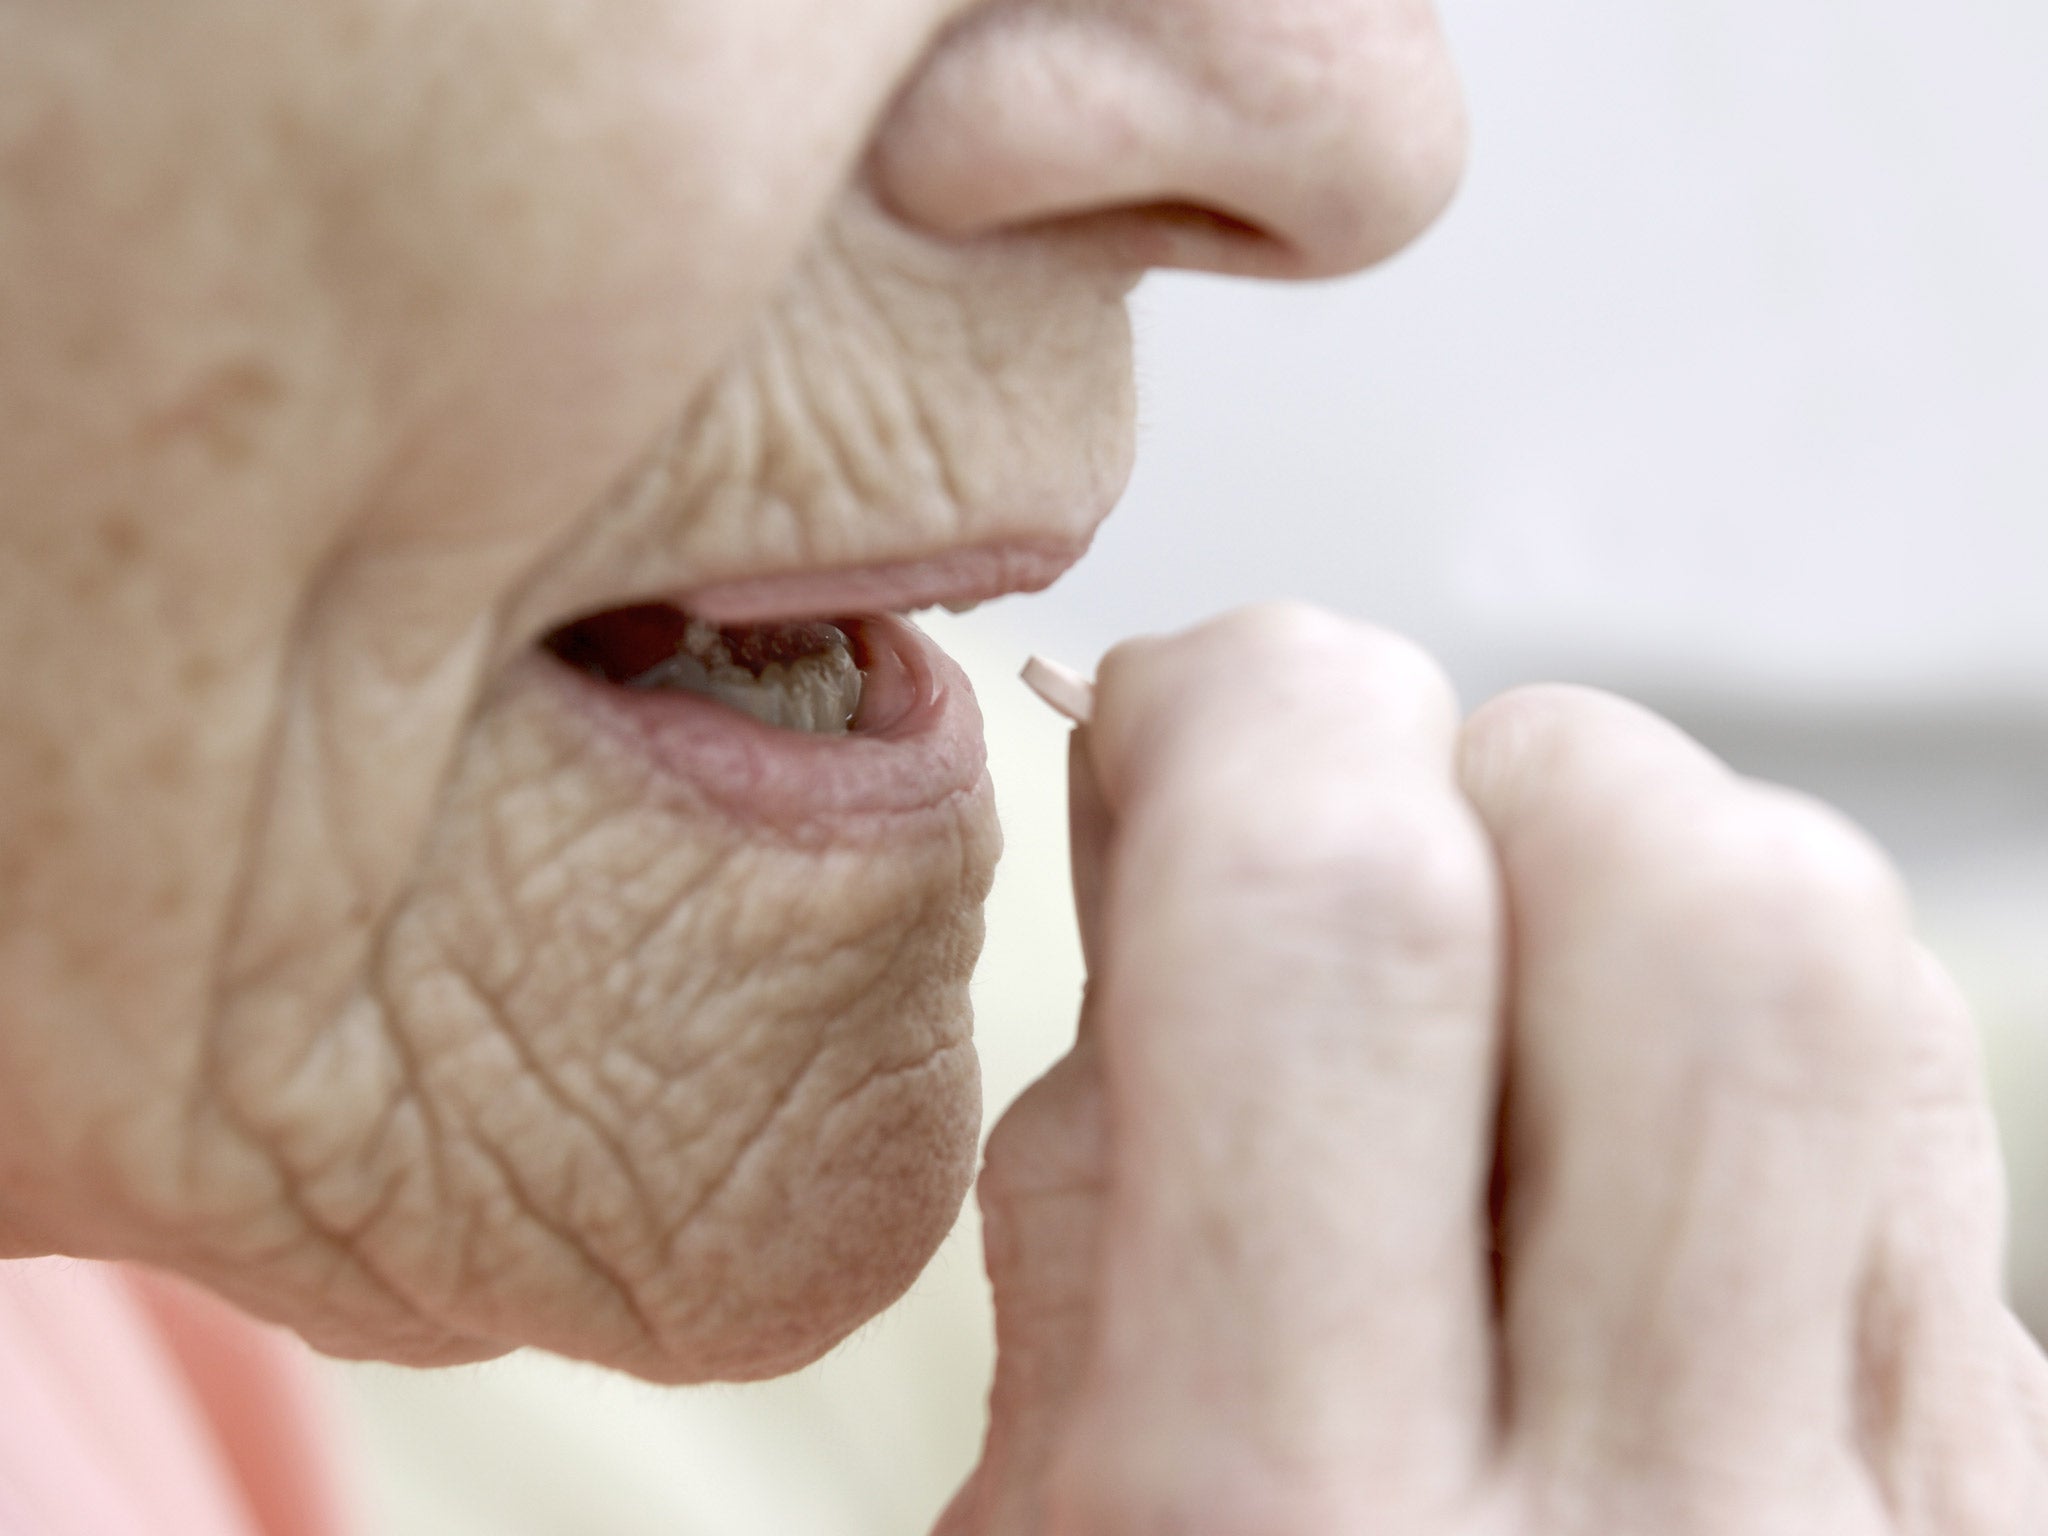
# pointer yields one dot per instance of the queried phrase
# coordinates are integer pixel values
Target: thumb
(1041, 1191)
(1041, 1199)
(1088, 835)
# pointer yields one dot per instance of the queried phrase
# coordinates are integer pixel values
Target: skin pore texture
(1514, 1123)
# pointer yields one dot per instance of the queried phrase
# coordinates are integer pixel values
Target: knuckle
(1264, 691)
(1535, 709)
(1277, 625)
(1409, 870)
(1268, 642)
(1293, 635)
(1790, 922)
(1552, 748)
(1525, 727)
(1803, 875)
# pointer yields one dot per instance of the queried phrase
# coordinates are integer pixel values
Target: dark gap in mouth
(622, 645)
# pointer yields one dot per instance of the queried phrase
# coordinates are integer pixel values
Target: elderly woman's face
(359, 956)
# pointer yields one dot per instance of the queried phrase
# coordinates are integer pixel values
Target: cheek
(553, 246)
(378, 267)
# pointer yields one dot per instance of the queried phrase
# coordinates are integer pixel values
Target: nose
(1282, 137)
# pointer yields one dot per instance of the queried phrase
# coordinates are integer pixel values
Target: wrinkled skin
(352, 346)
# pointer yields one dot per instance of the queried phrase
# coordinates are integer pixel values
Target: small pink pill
(1062, 687)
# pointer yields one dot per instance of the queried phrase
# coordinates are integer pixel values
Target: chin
(871, 1193)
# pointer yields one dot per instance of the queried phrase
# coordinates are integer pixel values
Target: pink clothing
(134, 1405)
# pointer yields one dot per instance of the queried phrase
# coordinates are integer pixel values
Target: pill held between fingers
(1062, 687)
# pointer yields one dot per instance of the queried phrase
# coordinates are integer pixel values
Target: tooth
(681, 670)
(817, 693)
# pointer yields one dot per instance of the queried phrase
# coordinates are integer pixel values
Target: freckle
(199, 673)
(223, 412)
(121, 537)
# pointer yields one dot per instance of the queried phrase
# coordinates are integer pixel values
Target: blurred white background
(1725, 383)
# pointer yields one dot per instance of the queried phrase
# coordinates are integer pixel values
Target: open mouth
(795, 677)
(753, 694)
(828, 678)
(790, 722)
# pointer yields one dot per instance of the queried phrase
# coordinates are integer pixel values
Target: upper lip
(954, 578)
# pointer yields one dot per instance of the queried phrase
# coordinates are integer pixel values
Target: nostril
(1207, 238)
(1179, 234)
(1213, 222)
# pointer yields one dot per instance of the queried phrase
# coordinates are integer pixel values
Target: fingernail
(1062, 687)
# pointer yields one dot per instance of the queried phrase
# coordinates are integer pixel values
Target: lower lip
(916, 748)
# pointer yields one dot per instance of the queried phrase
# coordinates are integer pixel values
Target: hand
(1526, 1126)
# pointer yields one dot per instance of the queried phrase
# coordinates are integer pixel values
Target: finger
(1705, 1066)
(1088, 836)
(1040, 1192)
(1295, 997)
(1946, 1375)
(1041, 1195)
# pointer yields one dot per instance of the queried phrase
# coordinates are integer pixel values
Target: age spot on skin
(121, 537)
(223, 413)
